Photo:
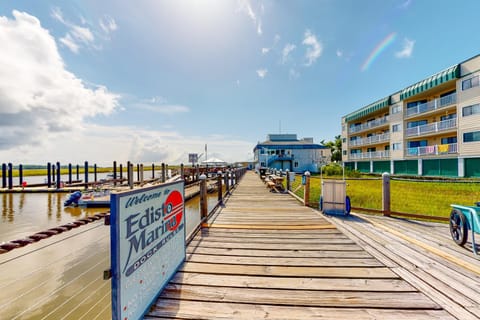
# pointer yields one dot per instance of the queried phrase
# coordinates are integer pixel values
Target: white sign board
(147, 239)
(193, 157)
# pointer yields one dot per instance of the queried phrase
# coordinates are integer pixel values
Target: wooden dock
(265, 256)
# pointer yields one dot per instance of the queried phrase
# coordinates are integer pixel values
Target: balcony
(280, 157)
(370, 155)
(435, 150)
(431, 128)
(379, 138)
(436, 104)
(369, 125)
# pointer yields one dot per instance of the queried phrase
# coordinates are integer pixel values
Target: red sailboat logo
(173, 210)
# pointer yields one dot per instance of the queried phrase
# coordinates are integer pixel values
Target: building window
(396, 128)
(415, 144)
(344, 152)
(373, 149)
(397, 146)
(414, 124)
(295, 164)
(396, 109)
(470, 83)
(449, 140)
(262, 164)
(448, 117)
(471, 110)
(413, 104)
(471, 136)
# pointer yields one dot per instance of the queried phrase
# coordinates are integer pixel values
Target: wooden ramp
(265, 256)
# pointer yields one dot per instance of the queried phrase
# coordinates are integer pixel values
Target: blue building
(285, 151)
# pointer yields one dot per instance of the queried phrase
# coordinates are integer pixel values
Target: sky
(150, 81)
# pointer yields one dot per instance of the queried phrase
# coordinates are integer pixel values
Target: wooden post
(128, 172)
(20, 175)
(219, 185)
(138, 172)
(4, 175)
(121, 171)
(114, 173)
(141, 173)
(78, 172)
(59, 179)
(69, 173)
(182, 172)
(386, 194)
(227, 181)
(203, 196)
(86, 174)
(153, 171)
(166, 171)
(306, 191)
(10, 176)
(197, 172)
(53, 173)
(95, 172)
(49, 172)
(163, 173)
(130, 175)
(288, 179)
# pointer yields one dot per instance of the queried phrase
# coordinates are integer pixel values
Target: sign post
(147, 234)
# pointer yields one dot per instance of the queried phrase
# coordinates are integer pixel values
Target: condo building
(286, 152)
(431, 128)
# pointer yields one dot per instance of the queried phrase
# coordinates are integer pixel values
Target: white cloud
(246, 7)
(108, 24)
(70, 43)
(165, 109)
(314, 50)
(36, 91)
(265, 50)
(262, 73)
(276, 39)
(407, 49)
(78, 36)
(126, 143)
(339, 53)
(294, 74)
(286, 52)
(406, 4)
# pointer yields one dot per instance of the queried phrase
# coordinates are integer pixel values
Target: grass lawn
(418, 197)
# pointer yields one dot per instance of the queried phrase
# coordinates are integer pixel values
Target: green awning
(380, 104)
(431, 82)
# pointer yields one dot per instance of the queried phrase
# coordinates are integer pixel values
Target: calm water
(60, 277)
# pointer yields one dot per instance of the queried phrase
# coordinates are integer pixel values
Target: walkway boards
(264, 256)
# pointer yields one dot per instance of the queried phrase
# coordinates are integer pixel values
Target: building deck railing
(370, 155)
(370, 140)
(439, 103)
(431, 128)
(369, 125)
(439, 149)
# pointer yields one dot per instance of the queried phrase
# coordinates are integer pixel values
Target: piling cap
(219, 172)
(202, 177)
(307, 173)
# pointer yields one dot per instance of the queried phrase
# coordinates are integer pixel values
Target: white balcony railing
(370, 140)
(438, 149)
(368, 125)
(436, 104)
(431, 127)
(370, 155)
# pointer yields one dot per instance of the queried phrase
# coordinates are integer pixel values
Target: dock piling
(306, 191)
(203, 196)
(59, 182)
(69, 173)
(138, 172)
(10, 176)
(49, 177)
(86, 174)
(219, 186)
(114, 173)
(163, 172)
(95, 172)
(4, 175)
(20, 174)
(121, 171)
(182, 172)
(130, 175)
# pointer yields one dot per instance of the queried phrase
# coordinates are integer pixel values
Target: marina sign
(147, 236)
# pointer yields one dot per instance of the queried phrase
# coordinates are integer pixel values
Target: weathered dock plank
(265, 256)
